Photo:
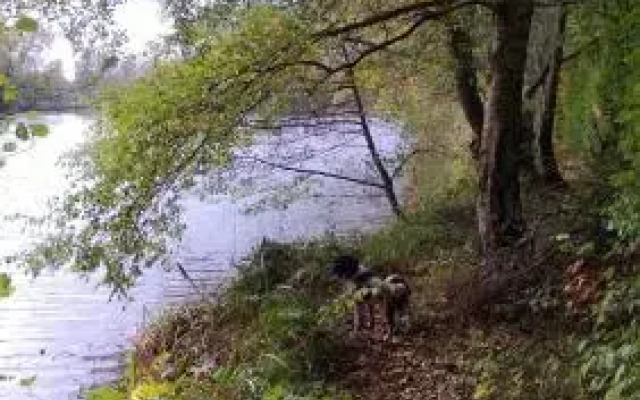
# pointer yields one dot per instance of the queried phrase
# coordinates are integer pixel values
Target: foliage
(184, 117)
(23, 132)
(262, 62)
(106, 393)
(152, 391)
(262, 339)
(441, 219)
(6, 289)
(601, 112)
(526, 371)
(26, 24)
(28, 79)
(610, 356)
(423, 232)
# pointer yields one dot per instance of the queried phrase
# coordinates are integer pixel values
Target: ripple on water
(62, 329)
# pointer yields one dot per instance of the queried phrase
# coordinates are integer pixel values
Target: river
(59, 333)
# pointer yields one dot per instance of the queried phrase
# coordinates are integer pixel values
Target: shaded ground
(435, 360)
(429, 364)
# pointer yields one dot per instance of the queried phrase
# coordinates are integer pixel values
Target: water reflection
(60, 333)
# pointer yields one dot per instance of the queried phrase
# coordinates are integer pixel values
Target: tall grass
(272, 334)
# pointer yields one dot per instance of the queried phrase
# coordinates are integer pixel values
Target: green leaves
(154, 135)
(601, 114)
(610, 358)
(106, 393)
(26, 24)
(39, 130)
(9, 94)
(22, 132)
(6, 288)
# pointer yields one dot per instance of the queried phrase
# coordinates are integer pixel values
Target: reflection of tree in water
(295, 159)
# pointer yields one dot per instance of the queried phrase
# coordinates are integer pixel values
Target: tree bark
(466, 79)
(547, 164)
(387, 180)
(499, 206)
(543, 78)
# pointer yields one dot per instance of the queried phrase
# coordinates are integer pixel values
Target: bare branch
(381, 46)
(316, 172)
(425, 9)
(558, 3)
(398, 169)
(531, 90)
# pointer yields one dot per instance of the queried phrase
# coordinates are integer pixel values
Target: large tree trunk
(547, 164)
(499, 206)
(466, 79)
(543, 78)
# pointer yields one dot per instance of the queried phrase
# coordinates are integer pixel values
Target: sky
(143, 21)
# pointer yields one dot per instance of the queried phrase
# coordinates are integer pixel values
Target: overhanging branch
(425, 9)
(309, 171)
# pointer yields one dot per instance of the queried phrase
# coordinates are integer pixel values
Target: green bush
(425, 232)
(270, 335)
(536, 370)
(610, 357)
(106, 393)
(601, 118)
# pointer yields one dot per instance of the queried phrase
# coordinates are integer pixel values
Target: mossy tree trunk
(547, 164)
(499, 205)
(461, 49)
(542, 81)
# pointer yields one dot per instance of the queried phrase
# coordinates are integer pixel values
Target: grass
(279, 329)
(271, 334)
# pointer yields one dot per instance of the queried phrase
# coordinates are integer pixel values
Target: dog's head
(345, 267)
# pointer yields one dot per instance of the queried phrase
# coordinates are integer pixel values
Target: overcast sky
(141, 18)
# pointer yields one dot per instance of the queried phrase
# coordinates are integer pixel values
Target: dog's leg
(357, 317)
(389, 310)
(371, 315)
(404, 314)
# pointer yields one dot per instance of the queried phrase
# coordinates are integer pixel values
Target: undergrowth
(277, 331)
(272, 334)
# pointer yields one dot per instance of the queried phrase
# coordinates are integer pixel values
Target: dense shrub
(601, 117)
(270, 335)
(535, 370)
(610, 356)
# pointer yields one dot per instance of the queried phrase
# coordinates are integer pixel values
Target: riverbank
(281, 329)
(63, 331)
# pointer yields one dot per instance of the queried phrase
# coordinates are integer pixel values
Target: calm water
(59, 333)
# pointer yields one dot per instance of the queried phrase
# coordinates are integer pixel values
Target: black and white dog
(391, 293)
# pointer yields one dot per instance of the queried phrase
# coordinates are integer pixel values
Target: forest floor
(430, 362)
(444, 354)
(279, 331)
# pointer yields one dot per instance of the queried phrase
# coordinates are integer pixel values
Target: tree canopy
(244, 62)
